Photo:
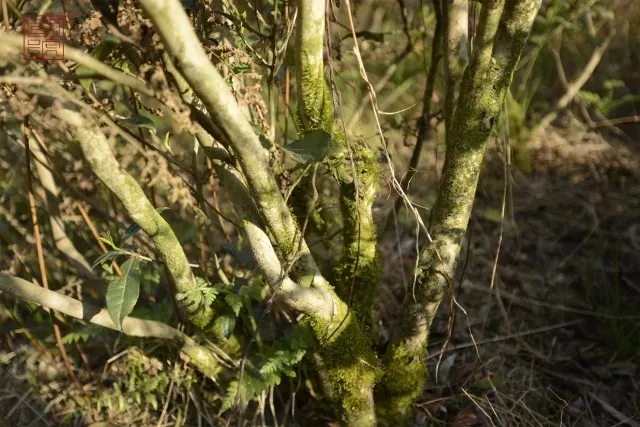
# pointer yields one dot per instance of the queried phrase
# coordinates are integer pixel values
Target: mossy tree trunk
(503, 30)
(358, 272)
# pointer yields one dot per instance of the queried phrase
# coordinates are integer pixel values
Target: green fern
(203, 295)
(83, 335)
(234, 301)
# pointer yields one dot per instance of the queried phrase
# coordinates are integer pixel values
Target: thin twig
(509, 337)
(5, 15)
(96, 236)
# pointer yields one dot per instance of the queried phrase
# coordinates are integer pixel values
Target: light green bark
(201, 357)
(358, 273)
(314, 103)
(456, 48)
(97, 151)
(350, 363)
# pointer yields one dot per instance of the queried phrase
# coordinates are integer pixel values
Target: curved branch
(97, 151)
(15, 43)
(200, 356)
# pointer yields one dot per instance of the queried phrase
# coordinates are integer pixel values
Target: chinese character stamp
(43, 36)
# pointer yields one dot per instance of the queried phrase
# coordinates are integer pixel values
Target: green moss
(203, 359)
(350, 365)
(358, 273)
(404, 378)
(314, 107)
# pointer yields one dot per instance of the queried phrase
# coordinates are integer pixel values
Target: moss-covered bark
(349, 365)
(314, 102)
(358, 273)
(97, 151)
(456, 47)
(232, 128)
(348, 362)
(483, 88)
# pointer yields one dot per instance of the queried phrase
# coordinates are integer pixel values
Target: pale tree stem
(313, 101)
(351, 373)
(456, 51)
(573, 88)
(60, 238)
(200, 356)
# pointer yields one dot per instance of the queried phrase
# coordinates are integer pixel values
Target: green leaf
(134, 228)
(166, 142)
(242, 68)
(101, 52)
(265, 142)
(234, 301)
(256, 128)
(202, 294)
(152, 400)
(487, 383)
(130, 231)
(123, 292)
(107, 256)
(225, 323)
(613, 84)
(493, 215)
(109, 241)
(160, 312)
(314, 147)
(141, 122)
(230, 397)
(83, 335)
(190, 5)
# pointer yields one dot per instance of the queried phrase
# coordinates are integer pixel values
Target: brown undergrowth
(556, 342)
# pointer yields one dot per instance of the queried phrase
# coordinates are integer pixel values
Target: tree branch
(314, 103)
(97, 151)
(573, 88)
(60, 238)
(199, 356)
(191, 60)
(15, 43)
(132, 326)
(456, 51)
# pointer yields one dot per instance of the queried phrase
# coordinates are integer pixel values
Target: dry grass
(556, 342)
